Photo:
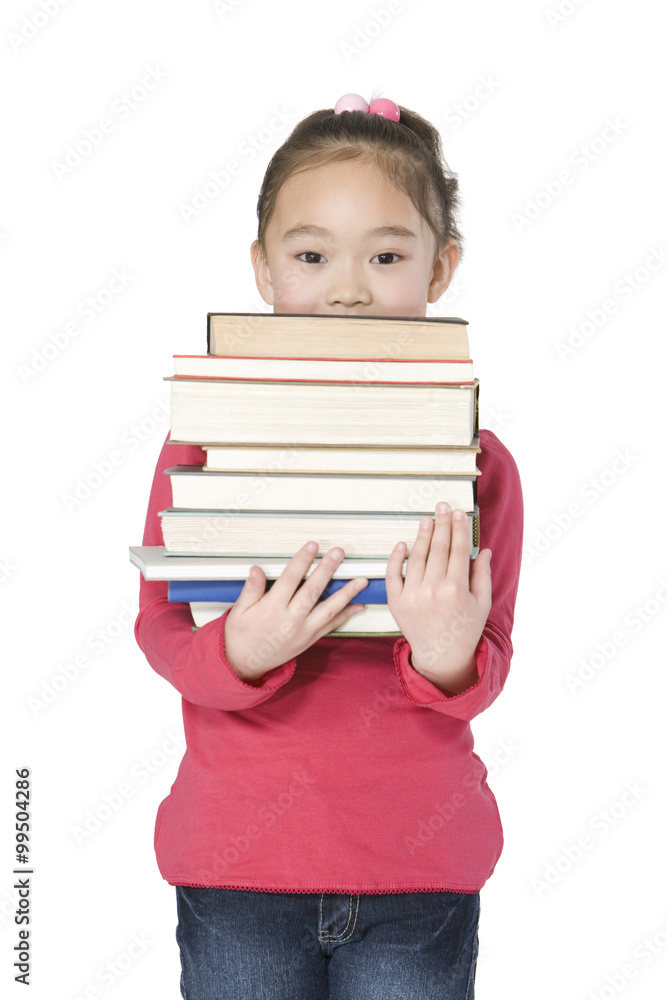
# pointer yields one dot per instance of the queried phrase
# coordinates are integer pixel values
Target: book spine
(476, 409)
(270, 379)
(229, 590)
(208, 526)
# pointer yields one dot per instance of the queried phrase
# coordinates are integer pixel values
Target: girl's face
(344, 240)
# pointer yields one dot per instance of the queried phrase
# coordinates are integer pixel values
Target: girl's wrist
(452, 678)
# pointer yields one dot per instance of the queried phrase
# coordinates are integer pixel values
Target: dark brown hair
(409, 153)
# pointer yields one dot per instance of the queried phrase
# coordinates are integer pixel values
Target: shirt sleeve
(500, 501)
(193, 661)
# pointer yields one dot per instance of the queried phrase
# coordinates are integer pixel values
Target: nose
(349, 287)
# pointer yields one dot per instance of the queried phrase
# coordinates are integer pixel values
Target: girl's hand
(267, 628)
(442, 607)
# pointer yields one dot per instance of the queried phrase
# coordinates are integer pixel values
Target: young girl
(330, 827)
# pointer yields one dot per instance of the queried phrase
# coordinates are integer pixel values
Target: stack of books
(342, 429)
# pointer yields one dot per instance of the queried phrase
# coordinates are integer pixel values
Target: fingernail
(459, 514)
(312, 547)
(441, 508)
(424, 523)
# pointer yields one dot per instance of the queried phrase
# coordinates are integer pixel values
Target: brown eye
(388, 254)
(310, 254)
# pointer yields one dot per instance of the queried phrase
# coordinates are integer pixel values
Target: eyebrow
(297, 232)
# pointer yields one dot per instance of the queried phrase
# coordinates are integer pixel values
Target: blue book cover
(228, 590)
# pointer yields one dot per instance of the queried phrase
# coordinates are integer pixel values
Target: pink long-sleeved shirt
(344, 770)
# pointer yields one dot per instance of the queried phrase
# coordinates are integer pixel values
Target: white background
(535, 94)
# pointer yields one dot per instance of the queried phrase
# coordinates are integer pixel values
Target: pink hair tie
(355, 102)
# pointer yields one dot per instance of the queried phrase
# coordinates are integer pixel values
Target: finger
(393, 578)
(351, 611)
(480, 578)
(459, 551)
(439, 552)
(307, 595)
(414, 572)
(285, 586)
(324, 612)
(253, 589)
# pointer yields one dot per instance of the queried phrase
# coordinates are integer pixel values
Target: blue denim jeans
(246, 945)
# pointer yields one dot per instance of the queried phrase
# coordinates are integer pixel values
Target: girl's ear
(443, 271)
(262, 274)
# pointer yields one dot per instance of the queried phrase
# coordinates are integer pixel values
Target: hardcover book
(266, 335)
